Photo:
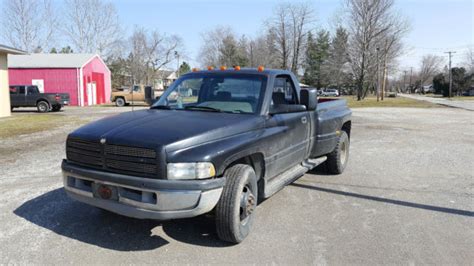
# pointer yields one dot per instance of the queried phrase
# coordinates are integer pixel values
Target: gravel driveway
(406, 197)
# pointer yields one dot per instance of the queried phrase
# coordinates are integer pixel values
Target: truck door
(15, 97)
(31, 95)
(289, 146)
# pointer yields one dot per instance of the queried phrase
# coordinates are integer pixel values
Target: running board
(289, 176)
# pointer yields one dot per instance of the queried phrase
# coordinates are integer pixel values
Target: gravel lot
(406, 198)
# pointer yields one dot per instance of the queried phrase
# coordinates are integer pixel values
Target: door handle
(304, 120)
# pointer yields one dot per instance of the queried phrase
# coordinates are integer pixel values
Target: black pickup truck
(240, 138)
(30, 96)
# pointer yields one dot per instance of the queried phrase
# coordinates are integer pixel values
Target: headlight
(190, 170)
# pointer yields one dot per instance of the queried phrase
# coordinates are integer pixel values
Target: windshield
(215, 92)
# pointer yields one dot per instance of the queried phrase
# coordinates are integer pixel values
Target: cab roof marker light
(237, 68)
(223, 67)
(195, 69)
(260, 68)
(210, 68)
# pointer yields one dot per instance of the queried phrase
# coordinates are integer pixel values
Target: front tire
(337, 160)
(235, 210)
(120, 102)
(42, 106)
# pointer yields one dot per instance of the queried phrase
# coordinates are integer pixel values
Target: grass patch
(28, 124)
(455, 98)
(371, 101)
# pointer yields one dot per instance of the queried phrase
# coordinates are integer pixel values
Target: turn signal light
(223, 67)
(260, 68)
(210, 68)
(237, 68)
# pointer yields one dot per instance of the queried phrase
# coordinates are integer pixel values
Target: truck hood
(172, 129)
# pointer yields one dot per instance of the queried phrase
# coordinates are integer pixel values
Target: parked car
(330, 93)
(245, 136)
(30, 96)
(137, 94)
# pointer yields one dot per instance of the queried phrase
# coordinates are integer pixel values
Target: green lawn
(371, 101)
(454, 98)
(27, 124)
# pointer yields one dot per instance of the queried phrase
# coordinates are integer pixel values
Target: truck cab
(215, 140)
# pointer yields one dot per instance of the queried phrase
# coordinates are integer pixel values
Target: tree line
(357, 56)
(434, 71)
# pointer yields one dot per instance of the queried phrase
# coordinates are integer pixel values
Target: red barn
(84, 76)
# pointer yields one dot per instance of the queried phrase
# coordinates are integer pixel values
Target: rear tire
(56, 108)
(42, 106)
(120, 102)
(235, 210)
(337, 160)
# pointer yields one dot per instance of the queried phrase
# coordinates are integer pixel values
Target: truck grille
(113, 158)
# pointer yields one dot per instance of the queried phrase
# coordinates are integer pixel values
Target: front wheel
(235, 210)
(337, 159)
(42, 106)
(120, 102)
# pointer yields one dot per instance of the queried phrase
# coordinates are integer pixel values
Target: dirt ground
(406, 197)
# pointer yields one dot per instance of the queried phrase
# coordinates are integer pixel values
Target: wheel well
(255, 160)
(347, 128)
(116, 97)
(43, 100)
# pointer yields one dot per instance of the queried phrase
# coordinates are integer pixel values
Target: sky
(437, 26)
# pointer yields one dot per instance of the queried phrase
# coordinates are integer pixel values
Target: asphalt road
(406, 197)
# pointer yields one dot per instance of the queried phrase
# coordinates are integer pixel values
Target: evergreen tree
(316, 58)
(184, 68)
(338, 59)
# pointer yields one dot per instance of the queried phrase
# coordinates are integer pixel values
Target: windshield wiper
(204, 108)
(163, 107)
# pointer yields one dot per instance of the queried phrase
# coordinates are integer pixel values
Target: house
(165, 78)
(4, 91)
(84, 76)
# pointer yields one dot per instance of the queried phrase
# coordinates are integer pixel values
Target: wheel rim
(343, 153)
(247, 204)
(42, 107)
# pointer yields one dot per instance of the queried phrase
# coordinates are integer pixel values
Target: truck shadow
(388, 201)
(64, 216)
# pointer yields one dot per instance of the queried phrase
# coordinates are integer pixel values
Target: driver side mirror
(309, 98)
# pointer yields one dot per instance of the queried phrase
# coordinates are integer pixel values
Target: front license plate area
(106, 192)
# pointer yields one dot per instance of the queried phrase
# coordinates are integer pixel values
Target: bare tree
(469, 59)
(221, 46)
(289, 26)
(151, 52)
(262, 51)
(212, 43)
(92, 26)
(29, 25)
(368, 21)
(429, 67)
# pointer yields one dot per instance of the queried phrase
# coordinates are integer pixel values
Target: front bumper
(142, 198)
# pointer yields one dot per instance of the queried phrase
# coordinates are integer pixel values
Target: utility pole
(404, 80)
(409, 84)
(377, 71)
(450, 74)
(384, 75)
(176, 54)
